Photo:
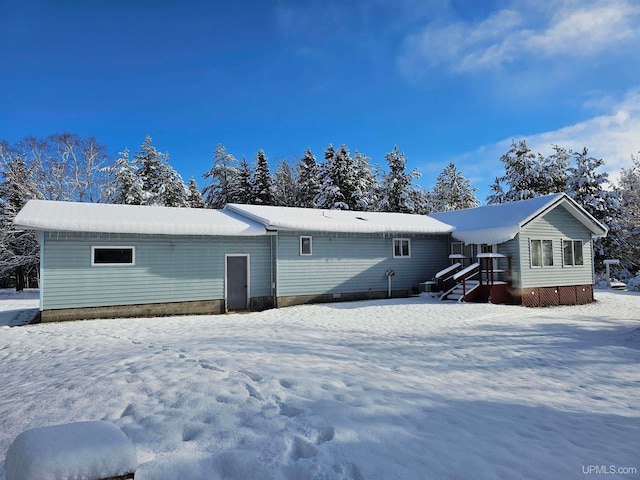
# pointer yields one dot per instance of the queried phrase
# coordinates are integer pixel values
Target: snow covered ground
(396, 389)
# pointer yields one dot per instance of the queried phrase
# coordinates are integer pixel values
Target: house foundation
(561, 295)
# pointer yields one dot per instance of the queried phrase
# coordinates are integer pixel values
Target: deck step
(457, 293)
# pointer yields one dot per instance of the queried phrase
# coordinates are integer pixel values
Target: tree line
(71, 168)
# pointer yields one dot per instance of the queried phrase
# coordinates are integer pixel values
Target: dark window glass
(112, 255)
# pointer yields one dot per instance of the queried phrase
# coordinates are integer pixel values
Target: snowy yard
(398, 389)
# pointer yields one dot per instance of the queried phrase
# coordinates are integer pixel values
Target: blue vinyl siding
(354, 263)
(556, 225)
(167, 269)
(511, 249)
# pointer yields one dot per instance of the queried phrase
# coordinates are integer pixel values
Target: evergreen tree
(364, 194)
(285, 188)
(194, 197)
(338, 189)
(522, 172)
(173, 193)
(397, 189)
(308, 180)
(262, 193)
(554, 170)
(529, 175)
(420, 201)
(161, 184)
(453, 191)
(126, 185)
(243, 192)
(222, 179)
(588, 187)
(498, 195)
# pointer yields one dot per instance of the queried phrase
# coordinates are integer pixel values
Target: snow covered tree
(194, 197)
(243, 189)
(588, 187)
(554, 171)
(161, 184)
(453, 191)
(67, 167)
(126, 186)
(19, 250)
(262, 192)
(174, 193)
(364, 195)
(397, 186)
(285, 188)
(338, 188)
(497, 194)
(308, 180)
(629, 190)
(222, 179)
(522, 172)
(529, 175)
(420, 201)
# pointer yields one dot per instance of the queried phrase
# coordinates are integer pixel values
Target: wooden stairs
(465, 281)
(479, 282)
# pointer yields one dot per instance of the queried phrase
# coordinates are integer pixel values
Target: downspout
(41, 269)
(274, 265)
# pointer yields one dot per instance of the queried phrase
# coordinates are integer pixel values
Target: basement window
(305, 245)
(116, 255)
(401, 247)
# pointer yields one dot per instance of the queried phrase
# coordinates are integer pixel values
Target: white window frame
(400, 241)
(543, 242)
(455, 246)
(302, 252)
(573, 253)
(112, 247)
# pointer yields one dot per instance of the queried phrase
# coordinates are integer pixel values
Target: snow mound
(83, 450)
(634, 284)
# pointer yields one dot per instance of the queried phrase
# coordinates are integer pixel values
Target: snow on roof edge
(48, 215)
(327, 220)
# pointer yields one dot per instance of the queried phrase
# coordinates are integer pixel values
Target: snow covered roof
(108, 218)
(499, 223)
(319, 220)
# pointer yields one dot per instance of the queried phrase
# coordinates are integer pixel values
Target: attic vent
(360, 218)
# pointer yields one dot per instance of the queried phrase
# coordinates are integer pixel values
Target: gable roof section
(347, 221)
(108, 218)
(499, 223)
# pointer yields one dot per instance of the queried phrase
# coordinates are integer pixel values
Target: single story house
(103, 260)
(536, 252)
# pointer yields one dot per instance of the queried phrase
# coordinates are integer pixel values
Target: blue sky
(445, 80)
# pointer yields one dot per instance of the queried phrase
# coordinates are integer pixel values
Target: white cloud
(574, 29)
(586, 31)
(612, 136)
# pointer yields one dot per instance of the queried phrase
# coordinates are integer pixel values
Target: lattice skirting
(548, 296)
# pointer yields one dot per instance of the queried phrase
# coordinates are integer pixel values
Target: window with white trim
(113, 255)
(457, 248)
(305, 245)
(401, 247)
(572, 252)
(541, 253)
